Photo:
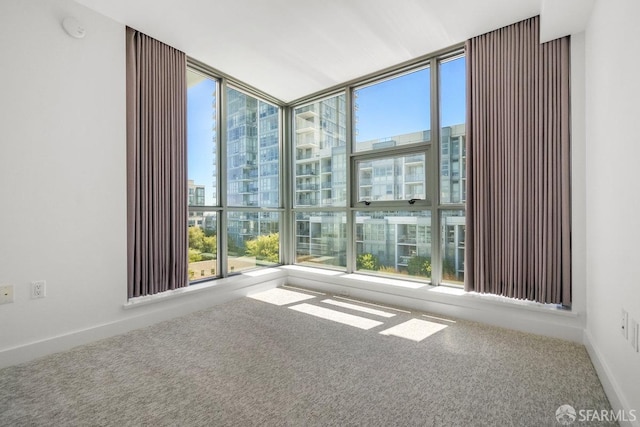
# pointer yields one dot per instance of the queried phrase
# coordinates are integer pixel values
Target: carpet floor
(288, 357)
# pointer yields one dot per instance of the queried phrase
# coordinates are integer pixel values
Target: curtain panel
(156, 166)
(518, 226)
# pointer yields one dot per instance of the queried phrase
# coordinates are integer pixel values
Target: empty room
(362, 212)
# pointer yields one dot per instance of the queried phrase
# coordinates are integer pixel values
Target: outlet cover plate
(6, 294)
(38, 289)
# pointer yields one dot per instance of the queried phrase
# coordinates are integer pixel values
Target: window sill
(235, 282)
(424, 291)
(420, 291)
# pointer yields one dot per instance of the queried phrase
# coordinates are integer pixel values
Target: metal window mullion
(286, 164)
(434, 163)
(385, 153)
(351, 182)
(222, 184)
(219, 122)
(320, 209)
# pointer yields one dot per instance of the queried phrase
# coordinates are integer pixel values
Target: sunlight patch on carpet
(336, 316)
(414, 329)
(358, 308)
(279, 296)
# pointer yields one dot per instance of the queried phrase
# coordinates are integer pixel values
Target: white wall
(63, 184)
(62, 175)
(613, 192)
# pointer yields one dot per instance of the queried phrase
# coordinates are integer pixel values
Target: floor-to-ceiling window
(376, 174)
(320, 182)
(379, 175)
(202, 154)
(253, 182)
(234, 178)
(452, 179)
(391, 161)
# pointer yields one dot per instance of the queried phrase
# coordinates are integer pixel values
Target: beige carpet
(251, 362)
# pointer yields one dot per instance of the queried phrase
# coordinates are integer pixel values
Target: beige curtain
(156, 166)
(518, 240)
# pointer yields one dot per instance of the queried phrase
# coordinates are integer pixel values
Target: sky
(201, 135)
(402, 105)
(394, 107)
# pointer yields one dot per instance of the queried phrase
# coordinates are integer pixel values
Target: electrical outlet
(624, 326)
(6, 294)
(38, 289)
(633, 334)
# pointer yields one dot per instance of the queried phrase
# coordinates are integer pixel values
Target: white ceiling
(290, 49)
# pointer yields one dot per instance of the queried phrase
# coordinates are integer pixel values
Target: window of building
(394, 242)
(250, 163)
(391, 186)
(320, 182)
(452, 131)
(452, 115)
(393, 112)
(253, 182)
(202, 154)
(392, 178)
(392, 160)
(377, 177)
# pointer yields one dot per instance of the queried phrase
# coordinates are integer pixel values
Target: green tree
(194, 255)
(419, 266)
(210, 245)
(196, 238)
(201, 243)
(367, 261)
(265, 247)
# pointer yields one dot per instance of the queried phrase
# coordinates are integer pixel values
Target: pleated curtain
(156, 166)
(518, 224)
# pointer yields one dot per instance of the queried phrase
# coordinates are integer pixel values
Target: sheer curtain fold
(518, 190)
(156, 166)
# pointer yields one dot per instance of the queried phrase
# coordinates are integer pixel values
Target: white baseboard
(610, 385)
(169, 308)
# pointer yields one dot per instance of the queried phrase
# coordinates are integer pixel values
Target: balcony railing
(306, 172)
(414, 178)
(307, 187)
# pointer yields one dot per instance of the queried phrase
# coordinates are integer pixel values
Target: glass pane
(396, 243)
(320, 155)
(452, 133)
(253, 240)
(393, 112)
(203, 245)
(392, 178)
(253, 151)
(201, 139)
(452, 224)
(321, 238)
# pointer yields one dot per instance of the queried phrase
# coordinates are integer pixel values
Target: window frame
(221, 208)
(287, 207)
(432, 165)
(294, 209)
